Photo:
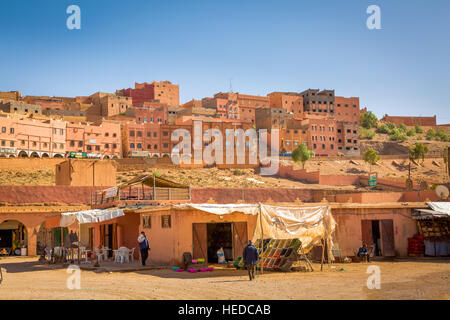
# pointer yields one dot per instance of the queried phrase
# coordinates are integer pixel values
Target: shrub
(383, 129)
(418, 129)
(391, 125)
(366, 133)
(411, 132)
(397, 135)
(430, 134)
(238, 172)
(402, 128)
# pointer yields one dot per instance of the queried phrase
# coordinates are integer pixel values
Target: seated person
(364, 252)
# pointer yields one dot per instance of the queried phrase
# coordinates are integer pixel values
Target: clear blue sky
(263, 46)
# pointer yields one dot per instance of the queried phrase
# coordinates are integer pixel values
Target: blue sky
(263, 46)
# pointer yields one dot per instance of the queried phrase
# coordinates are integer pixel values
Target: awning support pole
(323, 254)
(262, 238)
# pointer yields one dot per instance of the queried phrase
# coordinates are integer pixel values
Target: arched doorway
(45, 155)
(57, 156)
(34, 155)
(13, 238)
(12, 156)
(23, 154)
(106, 158)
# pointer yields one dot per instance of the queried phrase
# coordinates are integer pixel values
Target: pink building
(8, 141)
(98, 141)
(40, 139)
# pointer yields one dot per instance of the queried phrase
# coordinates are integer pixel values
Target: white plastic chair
(48, 254)
(131, 255)
(124, 255)
(99, 254)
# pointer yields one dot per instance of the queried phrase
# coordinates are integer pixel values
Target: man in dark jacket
(144, 247)
(250, 257)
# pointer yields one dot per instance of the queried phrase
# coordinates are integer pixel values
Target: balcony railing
(142, 194)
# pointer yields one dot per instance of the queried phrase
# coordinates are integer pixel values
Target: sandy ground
(26, 278)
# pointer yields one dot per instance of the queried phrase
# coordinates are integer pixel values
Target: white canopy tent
(89, 216)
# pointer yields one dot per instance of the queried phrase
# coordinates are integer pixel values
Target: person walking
(250, 257)
(144, 247)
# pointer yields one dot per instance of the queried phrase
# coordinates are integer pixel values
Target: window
(11, 144)
(114, 146)
(114, 135)
(155, 146)
(146, 222)
(315, 146)
(131, 133)
(139, 133)
(23, 142)
(166, 221)
(149, 146)
(11, 130)
(154, 134)
(3, 143)
(132, 145)
(165, 133)
(88, 147)
(3, 129)
(166, 145)
(107, 145)
(54, 130)
(72, 143)
(323, 146)
(80, 143)
(139, 146)
(332, 146)
(61, 131)
(106, 134)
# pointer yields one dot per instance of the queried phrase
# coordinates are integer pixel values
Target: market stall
(434, 230)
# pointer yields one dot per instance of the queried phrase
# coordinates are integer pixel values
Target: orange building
(290, 101)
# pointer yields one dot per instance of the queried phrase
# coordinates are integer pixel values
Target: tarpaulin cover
(89, 216)
(438, 210)
(309, 224)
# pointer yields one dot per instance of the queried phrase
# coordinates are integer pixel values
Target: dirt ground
(26, 278)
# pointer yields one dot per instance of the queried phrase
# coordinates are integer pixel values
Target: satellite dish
(442, 192)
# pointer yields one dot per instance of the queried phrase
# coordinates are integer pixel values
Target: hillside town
(83, 176)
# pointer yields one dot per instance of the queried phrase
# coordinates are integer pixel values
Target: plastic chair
(131, 255)
(48, 254)
(124, 254)
(99, 254)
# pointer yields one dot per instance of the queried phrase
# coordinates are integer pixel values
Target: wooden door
(366, 230)
(199, 241)
(387, 238)
(240, 238)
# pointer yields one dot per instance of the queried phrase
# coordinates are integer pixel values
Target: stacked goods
(416, 245)
(437, 229)
(277, 251)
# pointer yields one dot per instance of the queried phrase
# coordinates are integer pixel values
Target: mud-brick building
(23, 211)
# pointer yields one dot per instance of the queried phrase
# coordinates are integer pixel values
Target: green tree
(371, 157)
(418, 129)
(369, 120)
(302, 154)
(418, 151)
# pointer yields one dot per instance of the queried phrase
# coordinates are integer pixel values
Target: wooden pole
(262, 238)
(323, 253)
